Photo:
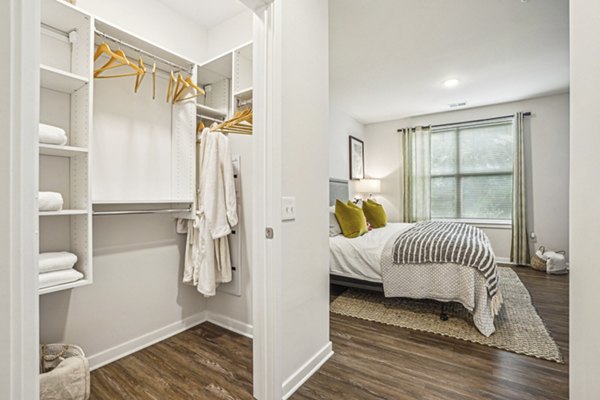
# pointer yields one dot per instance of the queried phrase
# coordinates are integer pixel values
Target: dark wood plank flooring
(375, 361)
(371, 361)
(205, 362)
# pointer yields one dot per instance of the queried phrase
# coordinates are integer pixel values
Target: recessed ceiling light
(451, 82)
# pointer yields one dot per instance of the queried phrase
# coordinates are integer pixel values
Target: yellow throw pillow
(351, 218)
(375, 213)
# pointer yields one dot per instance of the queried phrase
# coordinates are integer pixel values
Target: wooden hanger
(240, 123)
(200, 127)
(170, 87)
(117, 59)
(140, 77)
(190, 84)
(179, 87)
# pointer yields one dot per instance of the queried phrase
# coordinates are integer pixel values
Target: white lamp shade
(368, 186)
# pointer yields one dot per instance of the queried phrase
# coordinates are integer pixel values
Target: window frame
(460, 175)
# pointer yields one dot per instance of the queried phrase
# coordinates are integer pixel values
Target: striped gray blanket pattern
(450, 242)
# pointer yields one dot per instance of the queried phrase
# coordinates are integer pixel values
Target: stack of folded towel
(52, 135)
(56, 268)
(50, 201)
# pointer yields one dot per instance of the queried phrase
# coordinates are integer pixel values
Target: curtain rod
(473, 121)
(137, 49)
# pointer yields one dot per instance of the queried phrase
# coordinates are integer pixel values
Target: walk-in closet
(125, 106)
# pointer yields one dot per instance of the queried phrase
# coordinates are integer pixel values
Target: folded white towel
(52, 135)
(50, 201)
(59, 277)
(56, 261)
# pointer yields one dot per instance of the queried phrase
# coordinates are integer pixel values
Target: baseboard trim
(114, 353)
(230, 324)
(503, 260)
(307, 370)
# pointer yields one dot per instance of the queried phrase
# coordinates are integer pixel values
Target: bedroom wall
(137, 295)
(548, 169)
(585, 189)
(303, 32)
(341, 126)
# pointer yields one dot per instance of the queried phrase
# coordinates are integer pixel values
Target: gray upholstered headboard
(338, 189)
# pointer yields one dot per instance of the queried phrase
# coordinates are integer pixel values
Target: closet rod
(55, 30)
(129, 212)
(138, 50)
(209, 118)
(473, 121)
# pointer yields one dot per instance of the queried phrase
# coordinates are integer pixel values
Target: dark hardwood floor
(205, 362)
(371, 361)
(375, 361)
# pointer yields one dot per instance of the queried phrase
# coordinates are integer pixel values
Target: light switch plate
(288, 208)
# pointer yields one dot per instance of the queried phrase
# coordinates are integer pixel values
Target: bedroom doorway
(440, 229)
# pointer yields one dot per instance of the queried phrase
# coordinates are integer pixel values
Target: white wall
(585, 189)
(229, 34)
(341, 126)
(548, 169)
(303, 43)
(155, 22)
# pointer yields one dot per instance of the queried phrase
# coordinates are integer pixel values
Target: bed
(368, 262)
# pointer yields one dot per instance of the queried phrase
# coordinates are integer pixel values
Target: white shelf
(61, 81)
(244, 94)
(61, 151)
(65, 286)
(62, 212)
(209, 111)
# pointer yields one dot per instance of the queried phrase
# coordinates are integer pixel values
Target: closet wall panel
(132, 142)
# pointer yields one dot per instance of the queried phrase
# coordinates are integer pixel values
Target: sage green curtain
(519, 252)
(416, 182)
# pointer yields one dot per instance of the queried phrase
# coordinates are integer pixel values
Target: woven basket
(53, 354)
(537, 263)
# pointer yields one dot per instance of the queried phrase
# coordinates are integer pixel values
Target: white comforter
(362, 258)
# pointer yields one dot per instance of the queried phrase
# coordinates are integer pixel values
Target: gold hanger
(170, 87)
(140, 76)
(180, 87)
(240, 123)
(200, 127)
(118, 59)
(190, 84)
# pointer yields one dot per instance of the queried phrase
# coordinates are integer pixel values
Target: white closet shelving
(66, 102)
(227, 80)
(140, 157)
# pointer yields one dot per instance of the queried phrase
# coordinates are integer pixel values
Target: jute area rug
(519, 328)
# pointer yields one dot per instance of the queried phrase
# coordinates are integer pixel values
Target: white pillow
(334, 225)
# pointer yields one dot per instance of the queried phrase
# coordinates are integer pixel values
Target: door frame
(267, 252)
(19, 99)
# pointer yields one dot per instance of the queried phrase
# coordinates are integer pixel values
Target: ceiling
(389, 58)
(207, 13)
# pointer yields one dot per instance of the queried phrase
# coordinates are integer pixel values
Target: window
(471, 172)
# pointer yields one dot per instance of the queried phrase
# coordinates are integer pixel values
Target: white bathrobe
(208, 260)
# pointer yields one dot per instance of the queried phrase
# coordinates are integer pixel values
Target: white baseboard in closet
(231, 324)
(148, 339)
(302, 374)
